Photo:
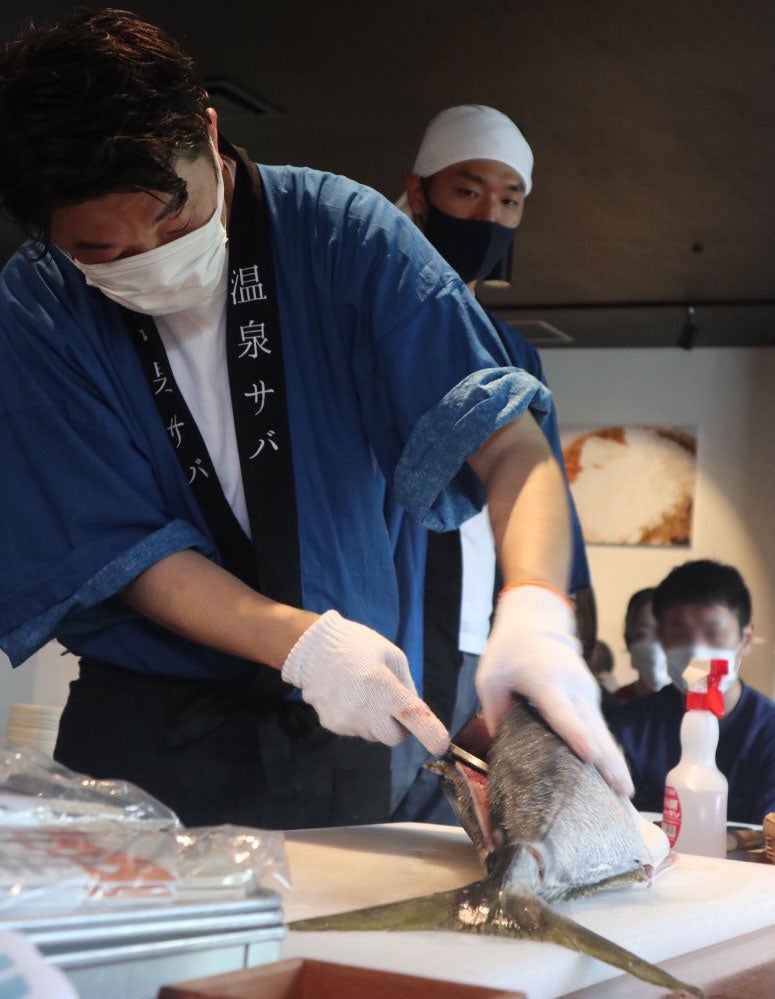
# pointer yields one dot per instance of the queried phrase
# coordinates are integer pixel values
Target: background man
(646, 654)
(466, 192)
(703, 607)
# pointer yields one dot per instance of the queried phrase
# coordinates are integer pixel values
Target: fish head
(554, 813)
(465, 787)
(541, 819)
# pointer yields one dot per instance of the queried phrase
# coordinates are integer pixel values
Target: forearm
(199, 600)
(527, 503)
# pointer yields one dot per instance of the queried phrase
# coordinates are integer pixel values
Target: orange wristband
(543, 585)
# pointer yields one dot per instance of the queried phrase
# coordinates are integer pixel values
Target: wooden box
(306, 979)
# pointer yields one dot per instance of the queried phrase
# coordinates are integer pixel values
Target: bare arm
(199, 600)
(527, 503)
(531, 650)
(358, 682)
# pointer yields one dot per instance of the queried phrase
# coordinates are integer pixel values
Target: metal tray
(131, 953)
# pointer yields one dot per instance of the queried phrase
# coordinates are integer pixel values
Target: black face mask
(472, 246)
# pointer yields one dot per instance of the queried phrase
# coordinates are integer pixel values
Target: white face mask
(648, 659)
(169, 278)
(678, 659)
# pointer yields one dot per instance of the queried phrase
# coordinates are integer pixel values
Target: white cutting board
(697, 903)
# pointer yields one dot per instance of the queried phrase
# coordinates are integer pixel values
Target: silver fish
(547, 827)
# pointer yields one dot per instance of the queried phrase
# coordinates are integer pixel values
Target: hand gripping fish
(547, 827)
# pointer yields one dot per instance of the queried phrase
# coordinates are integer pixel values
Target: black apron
(221, 752)
(252, 753)
(442, 595)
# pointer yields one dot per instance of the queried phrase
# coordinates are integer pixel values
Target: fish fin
(638, 876)
(483, 907)
(428, 912)
(527, 916)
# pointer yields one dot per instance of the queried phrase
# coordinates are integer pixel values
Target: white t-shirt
(195, 342)
(478, 554)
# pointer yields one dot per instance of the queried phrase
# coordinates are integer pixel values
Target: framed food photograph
(632, 485)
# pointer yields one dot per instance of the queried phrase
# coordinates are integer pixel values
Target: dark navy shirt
(649, 733)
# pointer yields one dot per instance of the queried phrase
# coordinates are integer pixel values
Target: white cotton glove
(359, 683)
(532, 650)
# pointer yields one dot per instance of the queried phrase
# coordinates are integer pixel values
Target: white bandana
(472, 132)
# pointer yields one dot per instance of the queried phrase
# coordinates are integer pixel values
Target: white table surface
(698, 903)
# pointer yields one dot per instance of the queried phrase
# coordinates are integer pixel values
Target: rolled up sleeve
(432, 480)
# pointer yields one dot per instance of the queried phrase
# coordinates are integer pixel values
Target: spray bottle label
(671, 815)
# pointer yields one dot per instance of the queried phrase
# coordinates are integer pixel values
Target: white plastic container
(694, 814)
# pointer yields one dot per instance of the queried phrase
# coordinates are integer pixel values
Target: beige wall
(727, 394)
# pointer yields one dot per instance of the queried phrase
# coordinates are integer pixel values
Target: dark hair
(637, 601)
(99, 103)
(704, 582)
(601, 659)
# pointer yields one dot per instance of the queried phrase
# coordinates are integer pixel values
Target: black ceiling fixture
(232, 101)
(689, 330)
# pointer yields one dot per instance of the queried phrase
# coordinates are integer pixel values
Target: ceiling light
(689, 331)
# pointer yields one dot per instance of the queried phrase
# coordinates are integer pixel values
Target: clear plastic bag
(68, 842)
(35, 790)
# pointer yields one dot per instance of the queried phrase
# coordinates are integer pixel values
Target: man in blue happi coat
(208, 370)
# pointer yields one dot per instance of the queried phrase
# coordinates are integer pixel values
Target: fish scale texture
(560, 809)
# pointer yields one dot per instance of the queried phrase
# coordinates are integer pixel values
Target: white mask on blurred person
(172, 277)
(678, 659)
(649, 661)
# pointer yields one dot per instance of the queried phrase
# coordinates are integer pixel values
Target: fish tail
(482, 907)
(539, 922)
(429, 912)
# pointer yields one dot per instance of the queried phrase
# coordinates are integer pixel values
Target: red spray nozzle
(718, 668)
(713, 700)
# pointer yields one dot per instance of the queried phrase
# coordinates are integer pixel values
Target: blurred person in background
(703, 610)
(600, 660)
(647, 657)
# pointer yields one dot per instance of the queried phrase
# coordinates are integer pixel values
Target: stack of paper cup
(33, 725)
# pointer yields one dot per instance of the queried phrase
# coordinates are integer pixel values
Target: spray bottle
(694, 815)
